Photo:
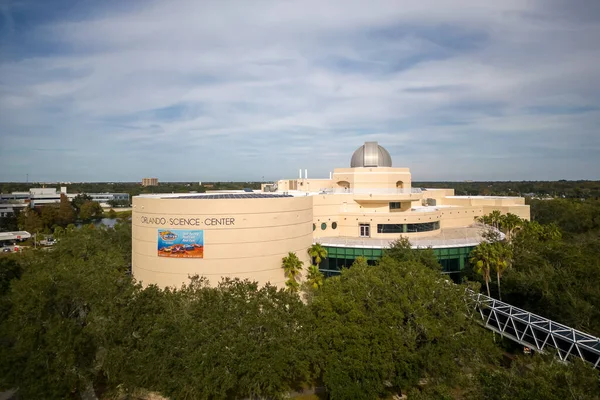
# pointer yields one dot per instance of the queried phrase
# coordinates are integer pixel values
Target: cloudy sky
(239, 90)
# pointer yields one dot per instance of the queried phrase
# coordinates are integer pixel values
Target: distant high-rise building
(149, 181)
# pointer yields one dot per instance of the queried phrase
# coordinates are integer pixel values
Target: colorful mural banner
(180, 243)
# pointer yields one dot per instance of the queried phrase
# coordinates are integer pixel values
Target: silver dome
(371, 154)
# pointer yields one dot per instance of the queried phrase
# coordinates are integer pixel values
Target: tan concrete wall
(265, 230)
(521, 211)
(438, 194)
(455, 217)
(372, 178)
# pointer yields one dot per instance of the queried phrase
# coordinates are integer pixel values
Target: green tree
(292, 267)
(49, 215)
(495, 217)
(401, 250)
(501, 261)
(90, 210)
(66, 213)
(317, 253)
(79, 200)
(509, 223)
(30, 221)
(315, 277)
(482, 258)
(61, 309)
(558, 278)
(112, 214)
(360, 261)
(537, 377)
(232, 341)
(385, 327)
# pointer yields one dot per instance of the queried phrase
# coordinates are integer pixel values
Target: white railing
(416, 243)
(372, 191)
(533, 331)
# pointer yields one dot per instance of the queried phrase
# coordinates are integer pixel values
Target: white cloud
(305, 82)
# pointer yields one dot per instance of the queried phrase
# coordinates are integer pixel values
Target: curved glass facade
(453, 259)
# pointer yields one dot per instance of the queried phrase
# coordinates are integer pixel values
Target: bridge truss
(533, 331)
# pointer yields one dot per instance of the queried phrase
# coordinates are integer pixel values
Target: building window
(334, 225)
(365, 230)
(314, 227)
(408, 228)
(323, 226)
(390, 228)
(394, 205)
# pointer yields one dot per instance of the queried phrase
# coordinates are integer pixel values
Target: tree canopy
(73, 320)
(387, 327)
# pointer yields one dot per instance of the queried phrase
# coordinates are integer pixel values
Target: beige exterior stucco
(244, 238)
(337, 210)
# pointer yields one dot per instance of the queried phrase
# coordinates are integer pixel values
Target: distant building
(149, 181)
(10, 202)
(105, 198)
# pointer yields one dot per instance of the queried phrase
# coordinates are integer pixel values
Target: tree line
(73, 322)
(583, 189)
(132, 188)
(47, 217)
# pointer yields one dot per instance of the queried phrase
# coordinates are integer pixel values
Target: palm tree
(314, 277)
(502, 256)
(317, 253)
(292, 267)
(482, 257)
(495, 218)
(510, 222)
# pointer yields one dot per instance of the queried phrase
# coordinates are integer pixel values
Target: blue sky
(240, 90)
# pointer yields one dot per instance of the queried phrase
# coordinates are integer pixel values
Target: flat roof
(483, 197)
(432, 208)
(219, 196)
(14, 235)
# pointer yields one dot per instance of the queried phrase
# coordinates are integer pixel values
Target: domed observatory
(371, 154)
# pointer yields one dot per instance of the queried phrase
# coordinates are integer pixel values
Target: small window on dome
(334, 225)
(323, 226)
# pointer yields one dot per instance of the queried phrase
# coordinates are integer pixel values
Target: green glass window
(323, 226)
(314, 227)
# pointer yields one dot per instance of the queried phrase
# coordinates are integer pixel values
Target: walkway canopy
(18, 235)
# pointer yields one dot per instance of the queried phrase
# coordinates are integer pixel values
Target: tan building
(357, 211)
(149, 181)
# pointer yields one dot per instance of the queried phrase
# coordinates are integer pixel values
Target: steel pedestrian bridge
(531, 330)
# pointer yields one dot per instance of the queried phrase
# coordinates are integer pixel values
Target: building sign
(187, 221)
(180, 243)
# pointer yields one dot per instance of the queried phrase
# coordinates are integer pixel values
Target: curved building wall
(243, 238)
